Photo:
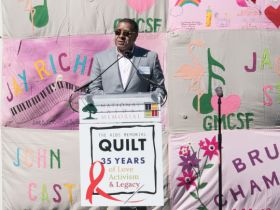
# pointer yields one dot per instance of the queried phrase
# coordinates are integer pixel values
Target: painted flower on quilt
(189, 162)
(210, 147)
(187, 180)
(184, 151)
(193, 165)
(201, 143)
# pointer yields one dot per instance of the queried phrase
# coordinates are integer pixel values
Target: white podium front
(119, 108)
(120, 150)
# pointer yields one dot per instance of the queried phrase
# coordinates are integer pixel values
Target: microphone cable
(128, 55)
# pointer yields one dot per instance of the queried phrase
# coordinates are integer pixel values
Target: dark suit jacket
(110, 82)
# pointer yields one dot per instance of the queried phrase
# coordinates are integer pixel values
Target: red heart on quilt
(141, 6)
(273, 15)
(230, 104)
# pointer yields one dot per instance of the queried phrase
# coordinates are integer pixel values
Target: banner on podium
(119, 108)
(121, 165)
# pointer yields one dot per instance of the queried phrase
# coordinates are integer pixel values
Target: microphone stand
(220, 152)
(128, 55)
(88, 83)
(155, 84)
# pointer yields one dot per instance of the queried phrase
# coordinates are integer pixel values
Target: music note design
(202, 103)
(39, 15)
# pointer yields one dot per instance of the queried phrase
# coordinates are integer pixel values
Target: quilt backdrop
(45, 18)
(48, 51)
(244, 63)
(250, 177)
(234, 14)
(39, 75)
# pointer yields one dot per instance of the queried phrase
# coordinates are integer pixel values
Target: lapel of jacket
(135, 60)
(115, 68)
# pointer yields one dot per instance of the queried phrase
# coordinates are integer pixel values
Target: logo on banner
(93, 187)
(91, 109)
(151, 110)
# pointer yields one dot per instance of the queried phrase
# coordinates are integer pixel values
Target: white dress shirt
(125, 69)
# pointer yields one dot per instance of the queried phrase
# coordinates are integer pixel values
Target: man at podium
(127, 68)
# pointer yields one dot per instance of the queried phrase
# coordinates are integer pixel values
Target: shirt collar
(119, 54)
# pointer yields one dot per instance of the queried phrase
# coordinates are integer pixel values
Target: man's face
(125, 36)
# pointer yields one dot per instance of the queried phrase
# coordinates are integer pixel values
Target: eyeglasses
(118, 32)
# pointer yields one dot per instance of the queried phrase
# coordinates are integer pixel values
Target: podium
(119, 108)
(120, 150)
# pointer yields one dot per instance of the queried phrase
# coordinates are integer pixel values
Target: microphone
(154, 96)
(157, 97)
(219, 91)
(88, 83)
